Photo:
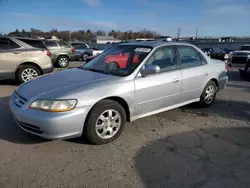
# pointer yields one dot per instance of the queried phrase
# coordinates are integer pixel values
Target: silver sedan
(126, 82)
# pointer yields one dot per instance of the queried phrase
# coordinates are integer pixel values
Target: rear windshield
(34, 43)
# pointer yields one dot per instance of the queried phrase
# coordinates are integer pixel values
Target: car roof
(15, 39)
(154, 44)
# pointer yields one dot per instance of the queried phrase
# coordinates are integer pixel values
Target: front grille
(29, 127)
(19, 100)
(239, 60)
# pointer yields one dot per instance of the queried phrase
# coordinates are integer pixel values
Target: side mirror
(150, 69)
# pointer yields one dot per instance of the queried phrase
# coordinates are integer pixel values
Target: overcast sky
(212, 17)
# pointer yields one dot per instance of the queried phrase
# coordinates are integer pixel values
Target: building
(106, 39)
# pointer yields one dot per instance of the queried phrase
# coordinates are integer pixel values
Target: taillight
(47, 52)
(73, 50)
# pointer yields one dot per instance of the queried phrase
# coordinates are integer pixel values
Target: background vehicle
(241, 56)
(61, 52)
(208, 51)
(223, 55)
(165, 38)
(21, 61)
(82, 50)
(97, 51)
(97, 100)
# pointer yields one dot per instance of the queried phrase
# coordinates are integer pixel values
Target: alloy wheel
(108, 124)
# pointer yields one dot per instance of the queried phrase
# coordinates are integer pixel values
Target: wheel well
(216, 82)
(122, 102)
(62, 55)
(28, 63)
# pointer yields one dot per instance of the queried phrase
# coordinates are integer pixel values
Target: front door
(157, 91)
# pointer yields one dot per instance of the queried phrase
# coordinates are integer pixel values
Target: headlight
(54, 105)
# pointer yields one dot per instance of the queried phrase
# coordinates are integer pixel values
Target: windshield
(119, 60)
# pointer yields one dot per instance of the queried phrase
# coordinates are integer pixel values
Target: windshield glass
(119, 60)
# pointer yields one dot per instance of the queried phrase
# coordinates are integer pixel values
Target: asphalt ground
(184, 147)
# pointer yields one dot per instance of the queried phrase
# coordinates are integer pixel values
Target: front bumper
(49, 125)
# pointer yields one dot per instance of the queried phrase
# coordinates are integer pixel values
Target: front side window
(120, 60)
(164, 58)
(189, 57)
(4, 44)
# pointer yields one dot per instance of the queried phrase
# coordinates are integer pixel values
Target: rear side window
(13, 45)
(189, 57)
(4, 44)
(51, 44)
(34, 43)
(63, 44)
(80, 47)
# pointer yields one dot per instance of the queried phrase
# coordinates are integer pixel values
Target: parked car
(207, 51)
(82, 50)
(223, 55)
(241, 56)
(21, 61)
(165, 38)
(97, 101)
(97, 51)
(61, 52)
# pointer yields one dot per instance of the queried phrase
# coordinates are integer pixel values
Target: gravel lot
(185, 147)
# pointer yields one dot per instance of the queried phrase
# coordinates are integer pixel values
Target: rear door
(194, 72)
(162, 90)
(11, 55)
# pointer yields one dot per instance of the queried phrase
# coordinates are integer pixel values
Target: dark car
(61, 52)
(208, 51)
(82, 50)
(223, 55)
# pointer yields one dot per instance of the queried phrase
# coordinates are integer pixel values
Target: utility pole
(196, 33)
(69, 36)
(178, 33)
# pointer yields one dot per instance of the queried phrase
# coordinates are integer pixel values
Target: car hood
(65, 80)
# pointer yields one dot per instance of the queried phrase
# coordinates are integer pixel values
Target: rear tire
(105, 122)
(63, 61)
(26, 73)
(208, 95)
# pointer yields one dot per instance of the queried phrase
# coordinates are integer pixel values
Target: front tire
(105, 122)
(63, 61)
(208, 95)
(26, 73)
(85, 56)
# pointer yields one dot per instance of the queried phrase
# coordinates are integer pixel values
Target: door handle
(176, 80)
(16, 52)
(206, 73)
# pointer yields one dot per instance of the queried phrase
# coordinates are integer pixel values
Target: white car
(96, 51)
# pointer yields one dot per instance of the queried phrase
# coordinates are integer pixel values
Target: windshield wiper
(93, 70)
